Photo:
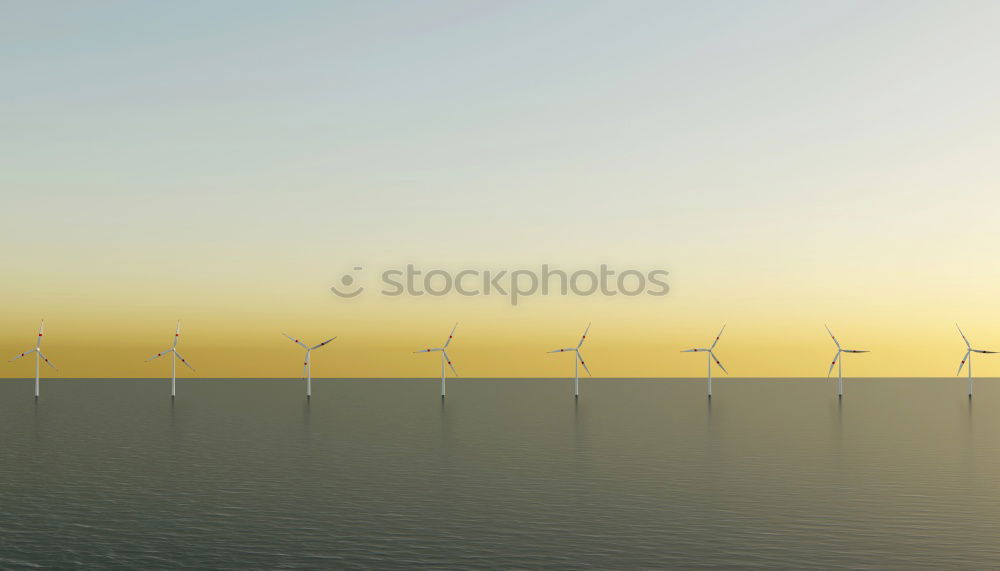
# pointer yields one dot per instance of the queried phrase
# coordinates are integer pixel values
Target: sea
(502, 474)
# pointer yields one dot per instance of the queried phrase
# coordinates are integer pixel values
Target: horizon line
(714, 379)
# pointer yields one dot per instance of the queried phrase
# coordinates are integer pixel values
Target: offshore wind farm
(445, 360)
(444, 274)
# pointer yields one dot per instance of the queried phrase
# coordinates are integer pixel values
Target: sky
(790, 164)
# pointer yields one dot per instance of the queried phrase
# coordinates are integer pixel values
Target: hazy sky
(790, 163)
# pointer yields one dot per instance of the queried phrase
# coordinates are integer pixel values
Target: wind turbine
(173, 361)
(38, 355)
(968, 357)
(711, 357)
(840, 364)
(577, 362)
(444, 357)
(307, 365)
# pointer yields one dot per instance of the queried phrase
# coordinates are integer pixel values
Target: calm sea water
(506, 474)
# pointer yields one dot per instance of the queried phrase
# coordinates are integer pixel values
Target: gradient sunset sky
(789, 163)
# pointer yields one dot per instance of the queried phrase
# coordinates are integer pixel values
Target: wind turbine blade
(856, 351)
(296, 341)
(41, 329)
(718, 362)
(583, 337)
(182, 360)
(984, 351)
(158, 355)
(832, 337)
(835, 357)
(450, 335)
(447, 358)
(321, 344)
(580, 357)
(47, 362)
(428, 350)
(962, 364)
(717, 338)
(177, 334)
(967, 346)
(694, 350)
(563, 350)
(22, 355)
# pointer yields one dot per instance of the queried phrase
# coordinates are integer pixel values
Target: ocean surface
(380, 474)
